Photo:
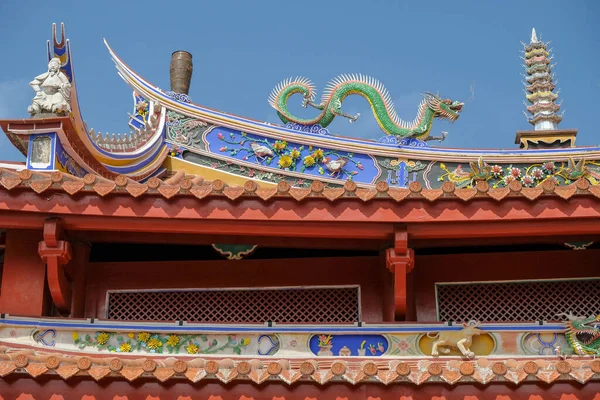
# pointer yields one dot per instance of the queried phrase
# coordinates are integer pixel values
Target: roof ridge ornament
(534, 38)
(540, 86)
(52, 92)
(542, 106)
(330, 106)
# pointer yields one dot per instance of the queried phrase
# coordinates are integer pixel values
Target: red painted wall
(363, 271)
(496, 266)
(24, 290)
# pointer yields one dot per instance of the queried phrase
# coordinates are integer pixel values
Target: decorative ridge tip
(534, 38)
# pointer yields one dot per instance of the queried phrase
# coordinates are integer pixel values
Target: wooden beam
(501, 241)
(504, 229)
(287, 210)
(194, 239)
(308, 229)
(372, 221)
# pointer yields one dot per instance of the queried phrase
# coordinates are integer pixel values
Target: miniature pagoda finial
(52, 91)
(539, 86)
(534, 38)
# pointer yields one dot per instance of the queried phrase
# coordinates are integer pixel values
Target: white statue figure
(52, 91)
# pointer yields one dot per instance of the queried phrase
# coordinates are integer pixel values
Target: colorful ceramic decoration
(348, 345)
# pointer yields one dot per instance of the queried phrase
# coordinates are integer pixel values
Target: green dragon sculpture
(583, 334)
(432, 106)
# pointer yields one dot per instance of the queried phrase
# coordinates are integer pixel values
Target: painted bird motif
(261, 151)
(335, 166)
(579, 169)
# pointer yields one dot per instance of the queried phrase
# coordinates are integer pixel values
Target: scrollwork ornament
(184, 98)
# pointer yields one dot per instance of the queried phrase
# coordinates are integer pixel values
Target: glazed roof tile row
(195, 186)
(322, 371)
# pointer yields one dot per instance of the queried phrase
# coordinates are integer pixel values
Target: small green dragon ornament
(583, 334)
(432, 106)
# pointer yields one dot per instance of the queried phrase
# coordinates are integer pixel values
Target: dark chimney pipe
(181, 72)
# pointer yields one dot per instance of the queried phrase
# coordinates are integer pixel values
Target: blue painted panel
(291, 156)
(355, 345)
(50, 166)
(66, 162)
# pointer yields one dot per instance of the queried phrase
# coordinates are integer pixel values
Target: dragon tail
(283, 90)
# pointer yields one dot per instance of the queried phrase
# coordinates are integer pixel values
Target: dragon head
(583, 334)
(443, 108)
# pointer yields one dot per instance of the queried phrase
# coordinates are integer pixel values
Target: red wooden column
(77, 268)
(56, 252)
(400, 262)
(24, 289)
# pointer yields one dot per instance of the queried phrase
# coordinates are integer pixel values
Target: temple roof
(178, 149)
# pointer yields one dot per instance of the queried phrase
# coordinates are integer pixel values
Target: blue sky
(242, 49)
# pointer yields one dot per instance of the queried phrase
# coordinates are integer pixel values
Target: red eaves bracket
(400, 261)
(56, 253)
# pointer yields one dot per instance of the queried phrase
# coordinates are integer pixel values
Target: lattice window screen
(517, 301)
(289, 305)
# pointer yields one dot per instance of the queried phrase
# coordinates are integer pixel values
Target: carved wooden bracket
(400, 261)
(56, 253)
